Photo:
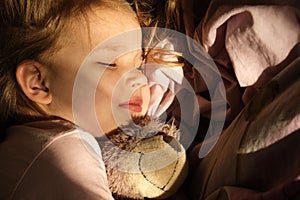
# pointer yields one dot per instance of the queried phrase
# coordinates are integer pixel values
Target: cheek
(103, 95)
(103, 108)
(107, 99)
(107, 84)
(61, 87)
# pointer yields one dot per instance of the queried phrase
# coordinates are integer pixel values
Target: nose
(135, 79)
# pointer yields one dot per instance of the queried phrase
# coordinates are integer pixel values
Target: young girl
(43, 43)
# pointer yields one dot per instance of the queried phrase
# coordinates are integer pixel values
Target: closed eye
(110, 65)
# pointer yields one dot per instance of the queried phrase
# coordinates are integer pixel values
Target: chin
(135, 116)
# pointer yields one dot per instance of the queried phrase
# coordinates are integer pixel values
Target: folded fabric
(258, 154)
(287, 191)
(256, 36)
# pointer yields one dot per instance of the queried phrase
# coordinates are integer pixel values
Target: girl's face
(118, 91)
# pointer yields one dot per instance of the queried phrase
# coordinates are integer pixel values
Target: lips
(134, 105)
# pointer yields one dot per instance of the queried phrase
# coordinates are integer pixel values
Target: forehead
(103, 23)
(99, 27)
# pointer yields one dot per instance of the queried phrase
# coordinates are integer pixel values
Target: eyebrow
(111, 47)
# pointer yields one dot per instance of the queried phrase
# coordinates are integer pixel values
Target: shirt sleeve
(69, 167)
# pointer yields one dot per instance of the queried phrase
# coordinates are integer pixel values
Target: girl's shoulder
(33, 137)
(52, 151)
(31, 140)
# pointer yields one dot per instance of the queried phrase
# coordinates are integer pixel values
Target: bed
(256, 47)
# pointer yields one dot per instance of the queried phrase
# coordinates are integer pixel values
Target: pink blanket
(255, 34)
(251, 41)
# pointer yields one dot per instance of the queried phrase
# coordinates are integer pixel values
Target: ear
(31, 76)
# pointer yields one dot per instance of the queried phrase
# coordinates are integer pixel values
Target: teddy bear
(144, 159)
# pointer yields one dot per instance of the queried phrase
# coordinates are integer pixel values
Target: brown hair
(164, 14)
(30, 29)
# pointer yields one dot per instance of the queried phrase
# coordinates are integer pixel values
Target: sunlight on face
(102, 65)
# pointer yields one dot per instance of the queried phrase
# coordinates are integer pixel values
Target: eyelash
(114, 65)
(109, 65)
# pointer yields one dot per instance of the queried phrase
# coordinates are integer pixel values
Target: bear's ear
(32, 79)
